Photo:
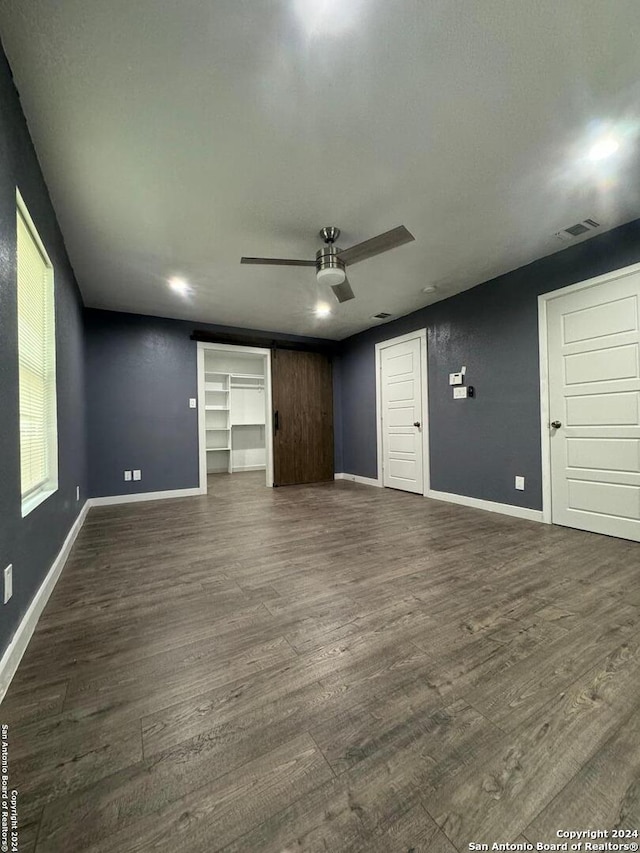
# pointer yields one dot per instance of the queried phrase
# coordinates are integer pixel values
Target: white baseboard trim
(110, 500)
(240, 468)
(20, 640)
(356, 478)
(489, 506)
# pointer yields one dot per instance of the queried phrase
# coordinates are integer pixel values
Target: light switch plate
(455, 378)
(137, 474)
(127, 476)
(520, 484)
(192, 402)
(8, 583)
(77, 493)
(460, 392)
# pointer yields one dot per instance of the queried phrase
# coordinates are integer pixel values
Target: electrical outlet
(127, 476)
(520, 484)
(137, 474)
(8, 583)
(192, 402)
(77, 493)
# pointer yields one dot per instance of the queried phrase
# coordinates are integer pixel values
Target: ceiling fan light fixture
(331, 276)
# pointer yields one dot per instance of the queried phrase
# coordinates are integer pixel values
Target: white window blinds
(36, 352)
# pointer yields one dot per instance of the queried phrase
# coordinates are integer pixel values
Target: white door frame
(268, 424)
(421, 334)
(543, 301)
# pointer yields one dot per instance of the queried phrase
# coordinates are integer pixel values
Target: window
(37, 366)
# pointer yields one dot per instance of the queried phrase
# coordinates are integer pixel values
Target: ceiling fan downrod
(330, 234)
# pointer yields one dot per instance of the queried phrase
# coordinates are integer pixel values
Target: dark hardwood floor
(327, 668)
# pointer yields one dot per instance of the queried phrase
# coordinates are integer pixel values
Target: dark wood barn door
(303, 417)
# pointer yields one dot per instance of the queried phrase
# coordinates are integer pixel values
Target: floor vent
(381, 315)
(577, 230)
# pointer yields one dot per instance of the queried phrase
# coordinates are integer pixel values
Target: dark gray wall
(338, 464)
(140, 374)
(478, 445)
(32, 543)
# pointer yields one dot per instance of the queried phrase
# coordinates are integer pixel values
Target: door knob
(416, 423)
(556, 424)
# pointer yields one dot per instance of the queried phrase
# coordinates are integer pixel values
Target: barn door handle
(276, 421)
(556, 424)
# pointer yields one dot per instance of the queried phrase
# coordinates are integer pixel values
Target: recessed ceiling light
(179, 285)
(322, 309)
(430, 288)
(603, 148)
(327, 17)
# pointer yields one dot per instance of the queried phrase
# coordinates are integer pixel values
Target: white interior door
(594, 397)
(401, 399)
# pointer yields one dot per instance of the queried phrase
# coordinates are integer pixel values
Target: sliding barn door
(302, 417)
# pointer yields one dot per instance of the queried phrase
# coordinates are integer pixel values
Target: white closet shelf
(247, 376)
(217, 408)
(249, 423)
(217, 429)
(216, 449)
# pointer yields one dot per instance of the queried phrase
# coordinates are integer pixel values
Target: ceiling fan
(331, 261)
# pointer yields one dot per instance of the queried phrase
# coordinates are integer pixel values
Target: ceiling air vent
(577, 230)
(381, 315)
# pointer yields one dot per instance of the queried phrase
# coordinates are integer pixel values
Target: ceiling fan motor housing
(329, 268)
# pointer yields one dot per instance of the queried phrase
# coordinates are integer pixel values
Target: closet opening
(234, 412)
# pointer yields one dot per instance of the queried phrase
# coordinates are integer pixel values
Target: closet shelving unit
(217, 410)
(234, 420)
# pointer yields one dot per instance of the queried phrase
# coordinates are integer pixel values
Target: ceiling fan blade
(376, 245)
(281, 262)
(343, 292)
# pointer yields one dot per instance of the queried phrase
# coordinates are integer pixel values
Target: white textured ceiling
(178, 135)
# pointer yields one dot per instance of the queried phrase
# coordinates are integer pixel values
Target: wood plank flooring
(327, 668)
